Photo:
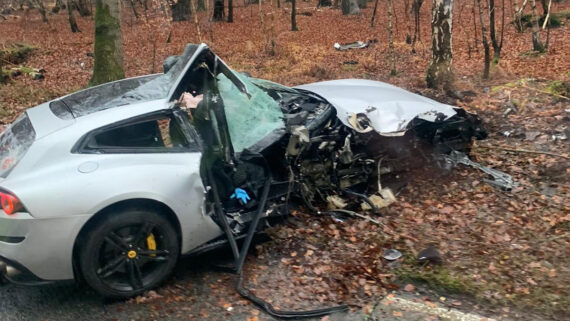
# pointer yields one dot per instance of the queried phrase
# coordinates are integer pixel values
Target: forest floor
(504, 252)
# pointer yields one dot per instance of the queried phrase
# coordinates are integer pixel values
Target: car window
(156, 134)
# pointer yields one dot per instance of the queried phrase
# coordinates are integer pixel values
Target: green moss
(17, 53)
(559, 88)
(437, 277)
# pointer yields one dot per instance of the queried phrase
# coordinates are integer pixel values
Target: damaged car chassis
(202, 156)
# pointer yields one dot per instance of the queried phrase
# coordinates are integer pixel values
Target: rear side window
(15, 141)
(157, 134)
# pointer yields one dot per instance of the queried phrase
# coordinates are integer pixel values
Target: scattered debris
(354, 45)
(392, 254)
(501, 180)
(430, 255)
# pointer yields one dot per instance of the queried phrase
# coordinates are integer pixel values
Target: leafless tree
(439, 73)
(536, 43)
(293, 15)
(41, 9)
(486, 48)
(391, 41)
(416, 7)
(72, 22)
(497, 44)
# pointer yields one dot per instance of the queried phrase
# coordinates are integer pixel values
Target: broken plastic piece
(392, 255)
(385, 198)
(501, 180)
(430, 254)
(336, 202)
(352, 45)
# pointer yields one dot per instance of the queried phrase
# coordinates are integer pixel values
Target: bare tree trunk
(201, 5)
(2, 79)
(230, 11)
(391, 41)
(475, 24)
(193, 3)
(416, 7)
(181, 10)
(41, 9)
(293, 15)
(72, 22)
(374, 14)
(349, 7)
(59, 4)
(497, 46)
(485, 42)
(218, 10)
(108, 43)
(83, 8)
(407, 16)
(536, 43)
(132, 3)
(439, 73)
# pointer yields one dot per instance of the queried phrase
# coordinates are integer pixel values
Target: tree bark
(134, 8)
(201, 5)
(497, 46)
(72, 22)
(59, 4)
(218, 10)
(374, 14)
(83, 8)
(536, 43)
(1, 70)
(181, 10)
(486, 48)
(391, 41)
(230, 11)
(108, 43)
(41, 9)
(349, 7)
(439, 73)
(293, 15)
(416, 7)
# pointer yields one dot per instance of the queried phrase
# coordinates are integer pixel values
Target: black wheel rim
(127, 260)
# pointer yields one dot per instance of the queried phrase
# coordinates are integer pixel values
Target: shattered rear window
(15, 142)
(123, 92)
(249, 119)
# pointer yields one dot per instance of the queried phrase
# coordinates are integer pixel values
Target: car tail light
(10, 203)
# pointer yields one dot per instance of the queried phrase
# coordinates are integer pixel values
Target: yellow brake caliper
(151, 243)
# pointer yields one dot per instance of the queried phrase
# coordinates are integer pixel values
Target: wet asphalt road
(70, 301)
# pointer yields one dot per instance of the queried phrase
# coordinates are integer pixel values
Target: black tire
(117, 258)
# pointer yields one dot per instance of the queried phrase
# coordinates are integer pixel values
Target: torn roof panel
(389, 109)
(125, 91)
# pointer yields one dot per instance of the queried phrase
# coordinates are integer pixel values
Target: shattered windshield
(249, 119)
(126, 91)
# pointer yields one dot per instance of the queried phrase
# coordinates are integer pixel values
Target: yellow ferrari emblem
(132, 254)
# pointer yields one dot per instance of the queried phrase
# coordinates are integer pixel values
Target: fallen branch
(545, 92)
(517, 150)
(352, 213)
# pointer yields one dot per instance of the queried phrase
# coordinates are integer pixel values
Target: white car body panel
(390, 109)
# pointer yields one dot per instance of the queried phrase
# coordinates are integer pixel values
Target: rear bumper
(39, 249)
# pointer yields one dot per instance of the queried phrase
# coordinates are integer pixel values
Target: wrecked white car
(113, 183)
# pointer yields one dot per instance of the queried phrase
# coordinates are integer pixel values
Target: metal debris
(392, 255)
(501, 180)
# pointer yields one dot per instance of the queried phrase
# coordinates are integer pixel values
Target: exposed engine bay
(266, 146)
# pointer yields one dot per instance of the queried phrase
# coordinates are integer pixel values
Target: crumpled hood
(388, 108)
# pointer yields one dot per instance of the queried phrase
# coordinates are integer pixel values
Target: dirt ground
(503, 252)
